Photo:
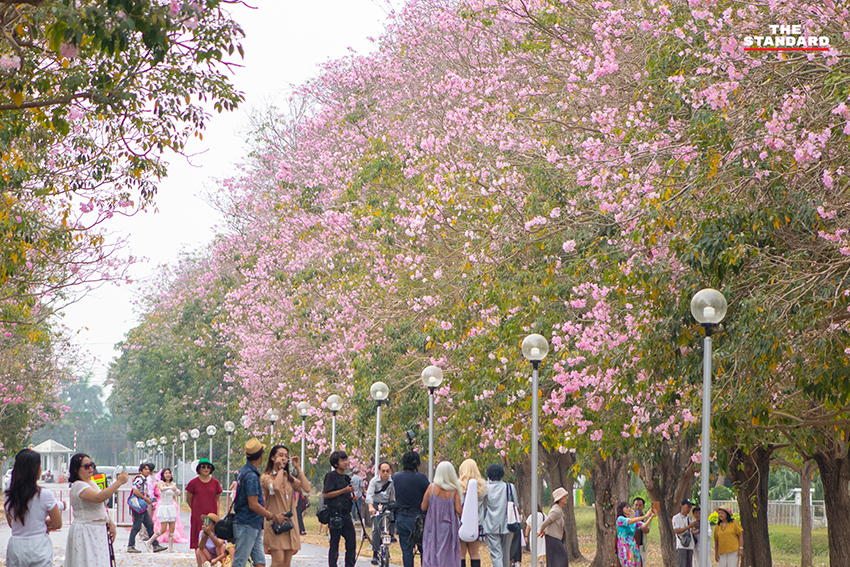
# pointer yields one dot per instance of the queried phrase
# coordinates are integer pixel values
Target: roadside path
(309, 556)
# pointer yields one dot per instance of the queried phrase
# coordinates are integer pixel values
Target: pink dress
(161, 501)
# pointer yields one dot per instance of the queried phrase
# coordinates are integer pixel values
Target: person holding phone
(281, 480)
(209, 547)
(92, 531)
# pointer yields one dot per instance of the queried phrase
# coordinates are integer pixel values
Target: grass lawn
(785, 542)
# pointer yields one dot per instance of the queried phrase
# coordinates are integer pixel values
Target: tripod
(363, 536)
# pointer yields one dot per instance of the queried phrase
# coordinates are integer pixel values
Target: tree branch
(42, 103)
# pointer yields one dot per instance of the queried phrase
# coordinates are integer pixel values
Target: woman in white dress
(88, 545)
(166, 509)
(30, 512)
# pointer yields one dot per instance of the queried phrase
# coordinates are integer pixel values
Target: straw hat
(254, 446)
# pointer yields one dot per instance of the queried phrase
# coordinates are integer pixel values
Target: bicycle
(381, 521)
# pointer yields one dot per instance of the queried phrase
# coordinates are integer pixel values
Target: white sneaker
(206, 564)
(149, 545)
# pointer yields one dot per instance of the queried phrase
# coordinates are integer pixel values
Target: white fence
(781, 513)
(117, 508)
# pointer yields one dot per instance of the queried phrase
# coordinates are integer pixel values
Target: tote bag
(514, 524)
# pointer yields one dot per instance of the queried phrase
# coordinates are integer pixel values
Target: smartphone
(206, 521)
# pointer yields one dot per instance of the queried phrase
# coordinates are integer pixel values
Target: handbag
(324, 515)
(418, 531)
(136, 504)
(283, 527)
(685, 538)
(514, 524)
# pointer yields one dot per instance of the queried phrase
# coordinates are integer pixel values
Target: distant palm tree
(781, 483)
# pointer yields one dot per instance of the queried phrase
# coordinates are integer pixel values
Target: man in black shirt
(410, 487)
(337, 493)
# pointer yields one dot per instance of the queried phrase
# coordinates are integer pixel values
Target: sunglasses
(89, 466)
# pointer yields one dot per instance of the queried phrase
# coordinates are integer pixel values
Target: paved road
(309, 556)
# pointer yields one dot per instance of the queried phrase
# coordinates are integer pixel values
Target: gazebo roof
(51, 447)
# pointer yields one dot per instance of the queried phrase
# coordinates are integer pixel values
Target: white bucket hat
(559, 493)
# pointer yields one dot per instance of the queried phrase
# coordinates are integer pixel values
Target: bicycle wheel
(384, 557)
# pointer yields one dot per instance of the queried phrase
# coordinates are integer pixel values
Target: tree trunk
(669, 480)
(806, 556)
(560, 467)
(749, 473)
(834, 465)
(610, 481)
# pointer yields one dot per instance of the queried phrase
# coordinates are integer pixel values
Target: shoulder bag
(224, 527)
(514, 524)
(136, 504)
(418, 531)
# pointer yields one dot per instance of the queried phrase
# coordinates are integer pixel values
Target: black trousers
(347, 532)
(300, 510)
(516, 547)
(138, 520)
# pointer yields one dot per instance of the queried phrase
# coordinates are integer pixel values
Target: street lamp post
(152, 451)
(140, 446)
(380, 392)
(163, 441)
(195, 434)
(173, 453)
(303, 411)
(183, 438)
(229, 428)
(334, 404)
(271, 416)
(432, 377)
(708, 307)
(211, 431)
(534, 348)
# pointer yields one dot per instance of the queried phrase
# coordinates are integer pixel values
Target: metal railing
(781, 513)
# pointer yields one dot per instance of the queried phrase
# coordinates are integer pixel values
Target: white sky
(284, 44)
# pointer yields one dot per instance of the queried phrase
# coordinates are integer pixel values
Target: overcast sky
(284, 44)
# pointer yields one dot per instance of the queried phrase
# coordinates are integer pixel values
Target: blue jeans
(404, 523)
(249, 542)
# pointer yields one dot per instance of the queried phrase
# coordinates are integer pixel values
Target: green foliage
(172, 374)
(721, 493)
(587, 493)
